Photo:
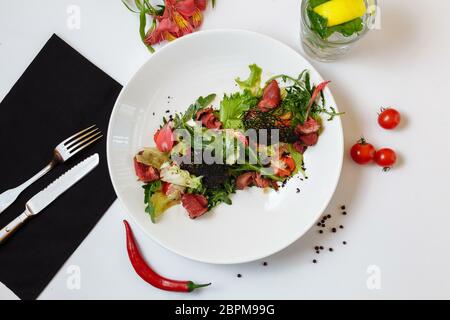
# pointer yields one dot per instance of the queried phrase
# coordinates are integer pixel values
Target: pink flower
(180, 17)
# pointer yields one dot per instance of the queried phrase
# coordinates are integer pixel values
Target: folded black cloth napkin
(59, 94)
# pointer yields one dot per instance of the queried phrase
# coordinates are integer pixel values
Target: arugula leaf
(233, 107)
(253, 82)
(149, 190)
(216, 197)
(201, 103)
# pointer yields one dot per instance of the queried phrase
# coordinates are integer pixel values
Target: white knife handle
(13, 226)
(9, 196)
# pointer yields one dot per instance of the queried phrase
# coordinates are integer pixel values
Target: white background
(398, 221)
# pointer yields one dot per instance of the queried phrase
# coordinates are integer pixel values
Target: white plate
(258, 223)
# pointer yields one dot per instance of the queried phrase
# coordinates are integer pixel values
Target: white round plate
(258, 223)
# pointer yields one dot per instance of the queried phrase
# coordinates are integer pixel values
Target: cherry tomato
(389, 118)
(362, 152)
(385, 157)
(289, 167)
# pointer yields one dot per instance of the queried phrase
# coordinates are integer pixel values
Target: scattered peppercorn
(341, 226)
(333, 230)
(331, 249)
(344, 242)
(321, 247)
(323, 225)
(167, 111)
(320, 231)
(239, 275)
(264, 263)
(344, 213)
(316, 248)
(343, 207)
(314, 261)
(317, 251)
(318, 224)
(153, 113)
(329, 216)
(298, 190)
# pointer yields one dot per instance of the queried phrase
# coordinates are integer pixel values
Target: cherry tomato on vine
(385, 157)
(362, 152)
(389, 118)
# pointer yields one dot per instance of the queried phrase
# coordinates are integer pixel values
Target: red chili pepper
(150, 276)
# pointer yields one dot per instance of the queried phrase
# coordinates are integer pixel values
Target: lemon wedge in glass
(341, 11)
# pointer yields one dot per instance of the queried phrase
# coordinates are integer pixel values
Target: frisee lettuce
(253, 82)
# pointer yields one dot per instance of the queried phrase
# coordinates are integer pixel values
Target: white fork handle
(13, 226)
(9, 196)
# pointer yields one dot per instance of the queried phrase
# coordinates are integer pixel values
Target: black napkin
(59, 94)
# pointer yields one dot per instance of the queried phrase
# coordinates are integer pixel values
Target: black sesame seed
(153, 113)
(331, 249)
(321, 248)
(344, 242)
(314, 261)
(342, 227)
(167, 111)
(264, 263)
(320, 231)
(316, 248)
(329, 216)
(344, 213)
(323, 225)
(343, 207)
(333, 230)
(318, 224)
(239, 275)
(298, 190)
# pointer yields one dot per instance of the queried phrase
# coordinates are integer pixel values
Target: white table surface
(398, 222)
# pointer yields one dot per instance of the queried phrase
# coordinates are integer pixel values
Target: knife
(41, 200)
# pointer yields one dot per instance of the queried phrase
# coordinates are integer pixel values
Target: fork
(62, 152)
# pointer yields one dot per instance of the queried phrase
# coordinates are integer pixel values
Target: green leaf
(349, 28)
(298, 159)
(315, 3)
(206, 101)
(149, 190)
(319, 25)
(233, 107)
(253, 82)
(201, 103)
(213, 3)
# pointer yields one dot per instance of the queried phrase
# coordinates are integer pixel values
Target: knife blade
(45, 197)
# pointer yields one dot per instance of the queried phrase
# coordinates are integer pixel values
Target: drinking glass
(336, 45)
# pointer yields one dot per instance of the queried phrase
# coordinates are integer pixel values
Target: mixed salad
(255, 137)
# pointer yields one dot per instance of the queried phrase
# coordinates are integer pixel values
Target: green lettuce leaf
(233, 107)
(253, 82)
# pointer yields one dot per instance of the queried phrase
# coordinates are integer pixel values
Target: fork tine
(76, 150)
(82, 138)
(77, 134)
(80, 143)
